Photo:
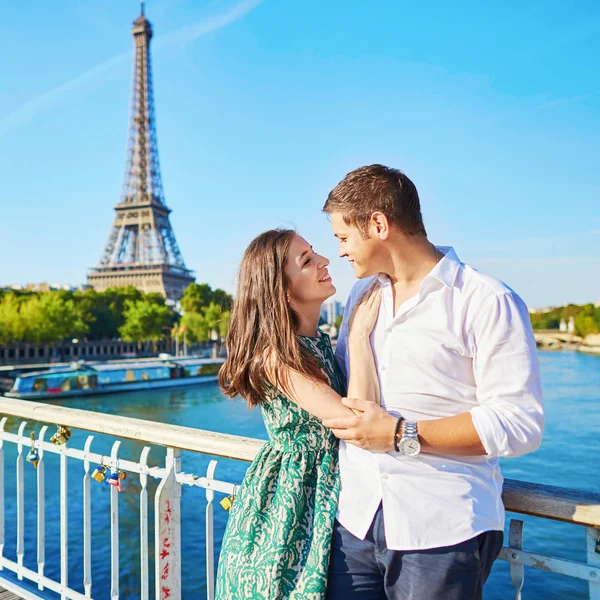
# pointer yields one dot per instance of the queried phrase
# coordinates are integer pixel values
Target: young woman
(279, 532)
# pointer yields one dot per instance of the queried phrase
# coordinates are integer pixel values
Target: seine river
(568, 457)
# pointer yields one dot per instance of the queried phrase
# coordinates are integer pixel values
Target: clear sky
(262, 107)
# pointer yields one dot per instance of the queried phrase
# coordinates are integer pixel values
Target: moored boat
(104, 378)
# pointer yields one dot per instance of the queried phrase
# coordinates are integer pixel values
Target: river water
(569, 457)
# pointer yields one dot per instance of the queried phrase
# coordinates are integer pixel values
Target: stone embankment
(591, 344)
(559, 340)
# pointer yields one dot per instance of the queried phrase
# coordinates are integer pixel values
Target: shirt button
(382, 367)
(384, 477)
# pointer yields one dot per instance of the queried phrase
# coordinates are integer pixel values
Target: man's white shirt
(463, 344)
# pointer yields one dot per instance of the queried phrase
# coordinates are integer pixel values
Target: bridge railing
(542, 501)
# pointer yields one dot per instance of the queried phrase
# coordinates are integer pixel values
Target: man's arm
(508, 420)
(372, 428)
(509, 417)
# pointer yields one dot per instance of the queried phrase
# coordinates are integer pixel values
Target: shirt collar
(447, 268)
(444, 271)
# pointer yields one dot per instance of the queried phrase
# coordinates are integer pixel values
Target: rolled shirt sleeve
(509, 417)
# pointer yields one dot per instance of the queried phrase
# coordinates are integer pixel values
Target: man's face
(360, 252)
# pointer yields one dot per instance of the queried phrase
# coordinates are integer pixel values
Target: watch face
(410, 446)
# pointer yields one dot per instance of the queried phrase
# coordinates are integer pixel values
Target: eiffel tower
(141, 249)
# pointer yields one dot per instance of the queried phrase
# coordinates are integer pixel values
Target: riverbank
(589, 349)
(560, 340)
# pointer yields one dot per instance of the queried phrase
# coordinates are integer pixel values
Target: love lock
(99, 473)
(61, 436)
(115, 479)
(33, 456)
(227, 503)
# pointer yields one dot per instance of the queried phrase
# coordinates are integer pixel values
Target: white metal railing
(533, 499)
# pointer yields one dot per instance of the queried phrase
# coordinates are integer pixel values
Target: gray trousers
(367, 570)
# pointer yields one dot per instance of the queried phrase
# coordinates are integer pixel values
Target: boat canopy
(57, 380)
(193, 367)
(128, 365)
(109, 373)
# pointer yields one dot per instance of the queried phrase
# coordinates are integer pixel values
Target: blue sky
(262, 107)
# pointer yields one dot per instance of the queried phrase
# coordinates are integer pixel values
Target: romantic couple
(381, 477)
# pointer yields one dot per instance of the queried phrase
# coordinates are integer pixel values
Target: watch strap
(410, 430)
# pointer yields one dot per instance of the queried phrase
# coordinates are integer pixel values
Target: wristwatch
(409, 444)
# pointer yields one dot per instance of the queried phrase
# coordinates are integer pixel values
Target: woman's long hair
(263, 327)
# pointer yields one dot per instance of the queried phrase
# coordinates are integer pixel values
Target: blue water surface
(568, 457)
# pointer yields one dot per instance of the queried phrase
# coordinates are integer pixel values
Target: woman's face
(307, 275)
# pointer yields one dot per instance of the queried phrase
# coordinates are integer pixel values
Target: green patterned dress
(278, 537)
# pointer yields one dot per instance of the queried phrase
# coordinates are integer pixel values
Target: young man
(420, 515)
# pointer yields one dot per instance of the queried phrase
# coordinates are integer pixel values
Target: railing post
(114, 525)
(64, 521)
(20, 501)
(210, 536)
(593, 556)
(41, 509)
(2, 425)
(167, 516)
(87, 519)
(144, 583)
(515, 540)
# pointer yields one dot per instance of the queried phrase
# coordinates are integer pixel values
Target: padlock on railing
(115, 479)
(227, 503)
(33, 455)
(61, 436)
(99, 473)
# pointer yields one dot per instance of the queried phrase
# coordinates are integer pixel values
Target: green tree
(338, 322)
(202, 326)
(196, 297)
(571, 310)
(196, 326)
(103, 312)
(118, 298)
(585, 323)
(51, 317)
(213, 315)
(144, 320)
(11, 322)
(223, 299)
(224, 323)
(87, 306)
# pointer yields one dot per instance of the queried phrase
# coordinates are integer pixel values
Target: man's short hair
(376, 188)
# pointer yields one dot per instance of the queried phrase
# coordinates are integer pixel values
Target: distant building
(571, 325)
(542, 310)
(331, 310)
(45, 287)
(562, 326)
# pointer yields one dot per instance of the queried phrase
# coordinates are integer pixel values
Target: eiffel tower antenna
(141, 249)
